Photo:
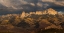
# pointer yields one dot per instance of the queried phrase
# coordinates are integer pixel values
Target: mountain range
(39, 20)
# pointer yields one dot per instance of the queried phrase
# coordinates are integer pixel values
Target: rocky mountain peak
(51, 11)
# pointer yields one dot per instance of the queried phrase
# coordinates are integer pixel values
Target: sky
(29, 5)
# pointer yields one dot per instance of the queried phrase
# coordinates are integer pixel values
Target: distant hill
(39, 21)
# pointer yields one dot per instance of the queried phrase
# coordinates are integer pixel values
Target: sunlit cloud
(30, 4)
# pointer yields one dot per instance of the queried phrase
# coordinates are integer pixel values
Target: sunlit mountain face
(32, 16)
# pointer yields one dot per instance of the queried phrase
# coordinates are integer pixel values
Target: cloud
(60, 12)
(56, 2)
(31, 4)
(48, 0)
(18, 4)
(13, 3)
(39, 4)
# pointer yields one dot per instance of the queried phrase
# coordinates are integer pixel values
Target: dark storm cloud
(17, 4)
(30, 5)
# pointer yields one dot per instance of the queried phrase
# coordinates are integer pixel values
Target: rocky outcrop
(23, 14)
(49, 11)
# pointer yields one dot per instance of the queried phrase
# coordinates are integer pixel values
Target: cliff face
(23, 14)
(49, 11)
